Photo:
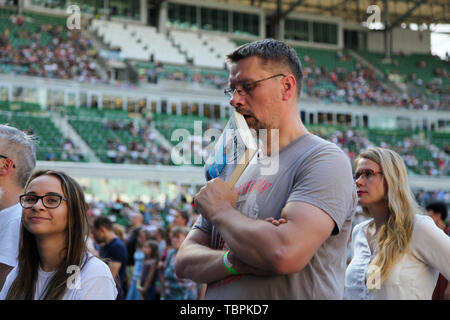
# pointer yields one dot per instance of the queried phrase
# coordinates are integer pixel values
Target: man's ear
(289, 87)
(6, 166)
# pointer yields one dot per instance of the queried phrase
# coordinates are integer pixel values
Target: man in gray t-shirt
(311, 170)
(310, 198)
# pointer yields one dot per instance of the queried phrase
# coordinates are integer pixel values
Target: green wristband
(228, 264)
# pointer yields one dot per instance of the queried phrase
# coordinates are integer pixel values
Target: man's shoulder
(11, 213)
(115, 250)
(115, 244)
(314, 150)
(315, 144)
(327, 145)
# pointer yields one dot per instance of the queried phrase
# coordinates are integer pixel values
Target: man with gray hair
(280, 234)
(17, 162)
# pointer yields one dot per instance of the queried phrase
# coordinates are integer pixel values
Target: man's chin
(253, 123)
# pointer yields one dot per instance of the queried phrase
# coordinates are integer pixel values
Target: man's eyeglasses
(368, 174)
(50, 201)
(5, 157)
(247, 87)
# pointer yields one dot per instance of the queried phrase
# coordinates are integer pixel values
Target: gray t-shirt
(310, 170)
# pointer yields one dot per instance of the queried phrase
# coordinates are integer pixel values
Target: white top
(95, 282)
(9, 234)
(414, 276)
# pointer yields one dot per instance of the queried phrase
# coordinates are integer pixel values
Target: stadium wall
(173, 95)
(405, 40)
(188, 175)
(185, 175)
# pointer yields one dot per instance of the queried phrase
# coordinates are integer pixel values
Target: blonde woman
(53, 261)
(399, 253)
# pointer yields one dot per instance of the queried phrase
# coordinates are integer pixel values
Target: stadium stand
(117, 138)
(198, 50)
(187, 55)
(32, 119)
(138, 42)
(39, 45)
(426, 73)
(152, 72)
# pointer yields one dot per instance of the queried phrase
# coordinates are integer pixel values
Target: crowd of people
(69, 150)
(145, 148)
(424, 197)
(437, 165)
(352, 141)
(144, 238)
(194, 76)
(435, 92)
(67, 55)
(356, 87)
(71, 56)
(361, 86)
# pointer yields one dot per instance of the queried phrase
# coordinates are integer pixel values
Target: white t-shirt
(9, 234)
(95, 282)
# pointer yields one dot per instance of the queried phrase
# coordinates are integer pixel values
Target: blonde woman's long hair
(395, 235)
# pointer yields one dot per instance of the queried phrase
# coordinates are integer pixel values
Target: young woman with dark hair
(53, 261)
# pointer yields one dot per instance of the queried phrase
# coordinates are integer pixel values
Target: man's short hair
(271, 50)
(21, 148)
(103, 222)
(438, 207)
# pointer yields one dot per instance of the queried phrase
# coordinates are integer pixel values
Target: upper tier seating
(116, 137)
(29, 117)
(40, 45)
(138, 42)
(427, 72)
(204, 51)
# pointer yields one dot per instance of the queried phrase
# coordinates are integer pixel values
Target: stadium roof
(355, 11)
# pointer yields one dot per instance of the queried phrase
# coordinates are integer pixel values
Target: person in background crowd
(175, 288)
(438, 212)
(160, 237)
(114, 250)
(148, 283)
(181, 218)
(139, 257)
(119, 231)
(136, 221)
